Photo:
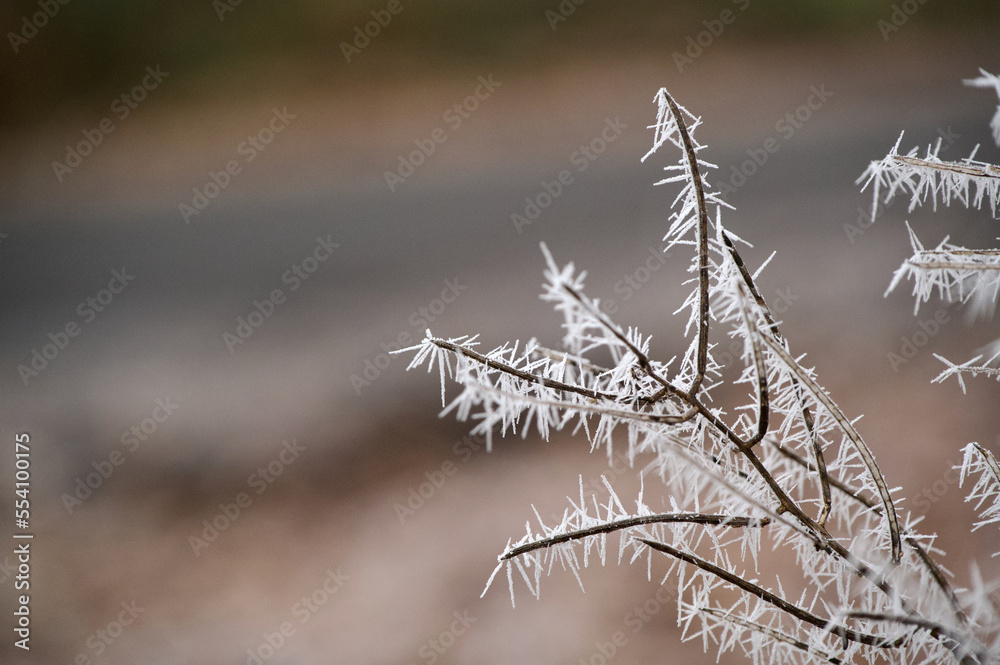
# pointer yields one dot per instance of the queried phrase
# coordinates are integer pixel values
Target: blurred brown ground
(333, 508)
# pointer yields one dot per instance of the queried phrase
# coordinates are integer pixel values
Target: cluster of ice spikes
(951, 272)
(786, 472)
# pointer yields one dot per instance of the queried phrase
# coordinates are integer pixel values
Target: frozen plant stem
(771, 598)
(618, 525)
(790, 461)
(703, 275)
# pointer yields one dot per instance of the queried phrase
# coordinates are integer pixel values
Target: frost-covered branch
(787, 457)
(951, 272)
(959, 642)
(982, 464)
(765, 595)
(969, 182)
(639, 520)
(770, 633)
(973, 367)
(852, 434)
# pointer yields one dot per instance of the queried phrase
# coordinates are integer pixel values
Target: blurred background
(217, 217)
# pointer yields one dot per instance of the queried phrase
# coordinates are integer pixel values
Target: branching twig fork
(824, 479)
(853, 436)
(769, 597)
(925, 558)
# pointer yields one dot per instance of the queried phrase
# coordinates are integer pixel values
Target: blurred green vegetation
(96, 49)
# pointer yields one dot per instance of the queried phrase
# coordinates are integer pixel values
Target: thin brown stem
(979, 171)
(763, 400)
(824, 479)
(927, 264)
(834, 481)
(952, 639)
(775, 635)
(644, 362)
(932, 567)
(521, 374)
(750, 284)
(859, 445)
(703, 268)
(582, 364)
(785, 502)
(640, 520)
(989, 461)
(773, 599)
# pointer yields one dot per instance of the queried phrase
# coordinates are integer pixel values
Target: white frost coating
(722, 485)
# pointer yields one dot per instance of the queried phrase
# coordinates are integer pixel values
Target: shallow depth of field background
(368, 447)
